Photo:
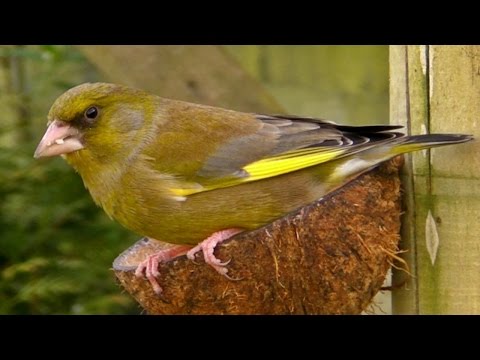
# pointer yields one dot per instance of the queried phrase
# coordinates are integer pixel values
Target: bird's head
(99, 118)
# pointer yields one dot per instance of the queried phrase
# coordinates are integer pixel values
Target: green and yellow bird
(195, 175)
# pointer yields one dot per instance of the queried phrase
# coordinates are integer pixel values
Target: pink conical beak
(60, 138)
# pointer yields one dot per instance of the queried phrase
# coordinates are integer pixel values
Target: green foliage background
(56, 246)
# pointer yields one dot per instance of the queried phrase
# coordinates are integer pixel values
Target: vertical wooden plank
(455, 107)
(405, 298)
(442, 95)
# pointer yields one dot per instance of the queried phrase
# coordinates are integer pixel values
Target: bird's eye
(91, 113)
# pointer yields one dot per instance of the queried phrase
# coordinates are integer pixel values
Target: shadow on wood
(330, 257)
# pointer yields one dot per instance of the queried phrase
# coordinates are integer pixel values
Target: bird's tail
(422, 142)
(362, 161)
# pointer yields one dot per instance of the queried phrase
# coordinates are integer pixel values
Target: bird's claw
(150, 265)
(208, 246)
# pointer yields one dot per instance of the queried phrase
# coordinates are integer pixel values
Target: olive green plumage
(178, 172)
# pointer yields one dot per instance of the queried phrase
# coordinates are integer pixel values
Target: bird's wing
(279, 145)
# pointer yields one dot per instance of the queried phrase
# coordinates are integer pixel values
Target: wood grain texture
(436, 89)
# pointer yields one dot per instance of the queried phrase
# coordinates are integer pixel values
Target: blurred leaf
(30, 266)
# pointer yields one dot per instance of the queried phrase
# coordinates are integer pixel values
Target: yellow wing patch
(269, 167)
(288, 162)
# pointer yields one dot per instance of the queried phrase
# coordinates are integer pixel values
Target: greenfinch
(195, 175)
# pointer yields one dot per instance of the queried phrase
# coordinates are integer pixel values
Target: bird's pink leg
(150, 264)
(208, 246)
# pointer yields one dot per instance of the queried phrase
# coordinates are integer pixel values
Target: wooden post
(436, 89)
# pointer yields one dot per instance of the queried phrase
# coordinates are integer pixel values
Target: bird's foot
(150, 264)
(208, 246)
